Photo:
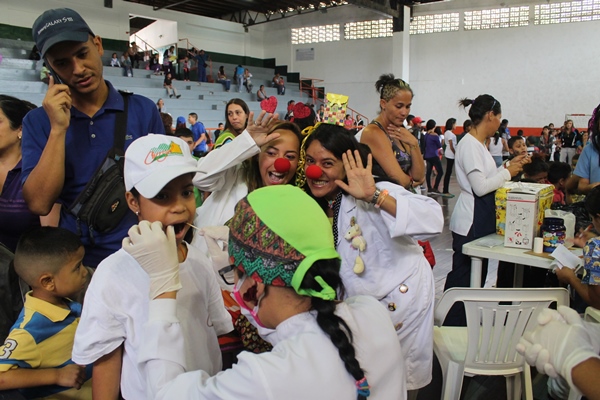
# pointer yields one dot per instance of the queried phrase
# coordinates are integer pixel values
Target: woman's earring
(137, 213)
(19, 136)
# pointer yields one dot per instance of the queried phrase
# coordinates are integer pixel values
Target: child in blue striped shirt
(36, 355)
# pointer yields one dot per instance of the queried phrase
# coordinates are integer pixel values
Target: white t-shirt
(304, 363)
(475, 172)
(449, 136)
(116, 309)
(496, 149)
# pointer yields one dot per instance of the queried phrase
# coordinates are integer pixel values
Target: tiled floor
(478, 388)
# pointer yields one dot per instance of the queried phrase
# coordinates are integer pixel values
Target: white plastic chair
(592, 314)
(487, 345)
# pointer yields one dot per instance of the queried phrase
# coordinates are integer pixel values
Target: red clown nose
(282, 165)
(314, 172)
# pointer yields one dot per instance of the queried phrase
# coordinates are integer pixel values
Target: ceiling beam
(386, 7)
(171, 5)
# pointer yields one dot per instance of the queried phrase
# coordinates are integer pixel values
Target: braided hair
(388, 85)
(335, 327)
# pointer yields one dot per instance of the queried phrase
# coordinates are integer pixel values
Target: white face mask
(265, 333)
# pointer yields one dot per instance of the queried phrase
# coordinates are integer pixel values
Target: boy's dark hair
(184, 132)
(536, 166)
(193, 115)
(592, 202)
(513, 140)
(44, 249)
(558, 171)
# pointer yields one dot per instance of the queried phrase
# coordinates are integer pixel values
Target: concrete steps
(19, 77)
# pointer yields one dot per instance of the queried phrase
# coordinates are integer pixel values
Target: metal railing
(145, 43)
(209, 71)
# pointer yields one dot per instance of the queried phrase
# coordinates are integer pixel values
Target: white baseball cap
(152, 161)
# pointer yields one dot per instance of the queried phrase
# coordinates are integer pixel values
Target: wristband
(382, 197)
(507, 164)
(375, 196)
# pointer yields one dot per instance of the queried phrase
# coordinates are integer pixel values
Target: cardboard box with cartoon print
(525, 207)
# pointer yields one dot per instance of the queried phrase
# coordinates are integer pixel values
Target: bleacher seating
(19, 77)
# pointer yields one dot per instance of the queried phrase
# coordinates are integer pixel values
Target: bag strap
(121, 124)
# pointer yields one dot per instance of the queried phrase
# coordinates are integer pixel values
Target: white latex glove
(559, 343)
(156, 252)
(217, 239)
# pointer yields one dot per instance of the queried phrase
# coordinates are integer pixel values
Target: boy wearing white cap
(158, 179)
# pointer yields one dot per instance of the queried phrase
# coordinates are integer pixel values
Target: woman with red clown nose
(375, 227)
(287, 273)
(265, 154)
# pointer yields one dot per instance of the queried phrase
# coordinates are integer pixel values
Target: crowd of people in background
(299, 238)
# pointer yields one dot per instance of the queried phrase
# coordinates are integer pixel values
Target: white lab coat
(393, 257)
(304, 363)
(221, 173)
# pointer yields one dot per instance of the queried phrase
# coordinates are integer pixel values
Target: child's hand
(565, 275)
(71, 375)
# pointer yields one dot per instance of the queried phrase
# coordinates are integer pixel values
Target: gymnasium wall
(539, 73)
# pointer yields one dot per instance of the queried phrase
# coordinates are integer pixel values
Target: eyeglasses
(227, 274)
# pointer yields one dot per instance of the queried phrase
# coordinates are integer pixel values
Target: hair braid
(335, 327)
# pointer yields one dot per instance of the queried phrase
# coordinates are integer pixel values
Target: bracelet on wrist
(375, 196)
(384, 194)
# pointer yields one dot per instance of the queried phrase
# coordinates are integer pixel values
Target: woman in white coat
(266, 153)
(287, 277)
(376, 228)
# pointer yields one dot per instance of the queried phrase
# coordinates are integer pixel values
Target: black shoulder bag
(102, 205)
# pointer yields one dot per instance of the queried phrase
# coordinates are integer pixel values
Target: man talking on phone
(66, 141)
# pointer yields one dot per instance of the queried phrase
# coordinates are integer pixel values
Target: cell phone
(54, 74)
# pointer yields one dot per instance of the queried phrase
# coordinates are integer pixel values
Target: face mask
(245, 310)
